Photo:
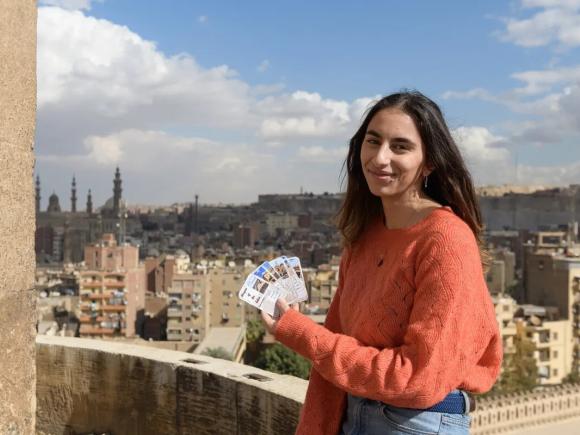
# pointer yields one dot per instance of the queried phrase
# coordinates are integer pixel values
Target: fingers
(282, 305)
(269, 322)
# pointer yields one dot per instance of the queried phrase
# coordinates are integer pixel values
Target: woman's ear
(427, 169)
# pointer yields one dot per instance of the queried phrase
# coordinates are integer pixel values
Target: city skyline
(230, 103)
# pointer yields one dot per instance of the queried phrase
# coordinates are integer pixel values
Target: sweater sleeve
(452, 334)
(324, 401)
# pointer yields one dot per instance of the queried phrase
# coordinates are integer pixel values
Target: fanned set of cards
(281, 277)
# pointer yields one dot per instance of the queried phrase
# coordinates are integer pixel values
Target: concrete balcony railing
(96, 386)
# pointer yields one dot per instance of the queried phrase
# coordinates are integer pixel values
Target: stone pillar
(17, 225)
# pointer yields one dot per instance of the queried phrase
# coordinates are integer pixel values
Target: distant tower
(37, 194)
(117, 193)
(73, 196)
(89, 203)
(196, 222)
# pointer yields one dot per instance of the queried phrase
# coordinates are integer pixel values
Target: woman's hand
(269, 322)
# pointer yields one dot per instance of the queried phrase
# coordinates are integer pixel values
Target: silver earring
(426, 178)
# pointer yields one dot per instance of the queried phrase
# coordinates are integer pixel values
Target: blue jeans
(370, 417)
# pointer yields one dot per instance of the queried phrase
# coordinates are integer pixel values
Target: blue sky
(230, 100)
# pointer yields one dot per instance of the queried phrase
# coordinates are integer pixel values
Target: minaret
(73, 196)
(117, 192)
(37, 194)
(196, 227)
(89, 203)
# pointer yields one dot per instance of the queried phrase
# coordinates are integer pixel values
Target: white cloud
(540, 81)
(264, 66)
(163, 165)
(303, 114)
(557, 23)
(106, 96)
(480, 146)
(564, 4)
(560, 175)
(321, 154)
(103, 86)
(69, 4)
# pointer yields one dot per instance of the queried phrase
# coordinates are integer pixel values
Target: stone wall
(102, 386)
(97, 386)
(17, 120)
(519, 411)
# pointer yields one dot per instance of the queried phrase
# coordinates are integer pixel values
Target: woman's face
(392, 155)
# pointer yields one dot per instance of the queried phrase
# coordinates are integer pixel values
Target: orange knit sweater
(411, 320)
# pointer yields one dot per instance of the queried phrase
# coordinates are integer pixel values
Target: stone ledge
(95, 385)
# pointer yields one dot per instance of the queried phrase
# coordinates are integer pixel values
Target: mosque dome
(110, 204)
(53, 204)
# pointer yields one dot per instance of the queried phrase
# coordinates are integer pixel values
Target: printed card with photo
(295, 264)
(260, 294)
(285, 279)
(295, 268)
(281, 277)
(266, 272)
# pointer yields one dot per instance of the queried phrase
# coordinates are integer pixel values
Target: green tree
(254, 331)
(217, 352)
(513, 290)
(520, 372)
(280, 359)
(572, 378)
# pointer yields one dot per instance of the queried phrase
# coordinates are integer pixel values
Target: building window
(555, 354)
(555, 335)
(555, 372)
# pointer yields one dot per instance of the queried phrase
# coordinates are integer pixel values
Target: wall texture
(17, 311)
(99, 386)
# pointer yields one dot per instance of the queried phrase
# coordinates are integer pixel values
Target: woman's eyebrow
(373, 133)
(395, 139)
(403, 139)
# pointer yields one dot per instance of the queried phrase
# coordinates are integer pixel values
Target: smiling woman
(411, 331)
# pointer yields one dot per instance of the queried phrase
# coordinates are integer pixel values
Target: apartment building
(542, 326)
(111, 290)
(321, 284)
(501, 274)
(188, 295)
(552, 339)
(280, 222)
(505, 309)
(226, 309)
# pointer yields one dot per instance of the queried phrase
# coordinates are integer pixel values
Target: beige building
(226, 309)
(552, 275)
(321, 285)
(552, 339)
(111, 290)
(188, 295)
(551, 336)
(501, 275)
(505, 308)
(281, 222)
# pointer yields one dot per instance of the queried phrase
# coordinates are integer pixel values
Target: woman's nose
(384, 154)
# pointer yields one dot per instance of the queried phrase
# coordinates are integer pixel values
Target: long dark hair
(449, 183)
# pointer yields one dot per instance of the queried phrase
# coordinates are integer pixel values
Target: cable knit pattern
(411, 321)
